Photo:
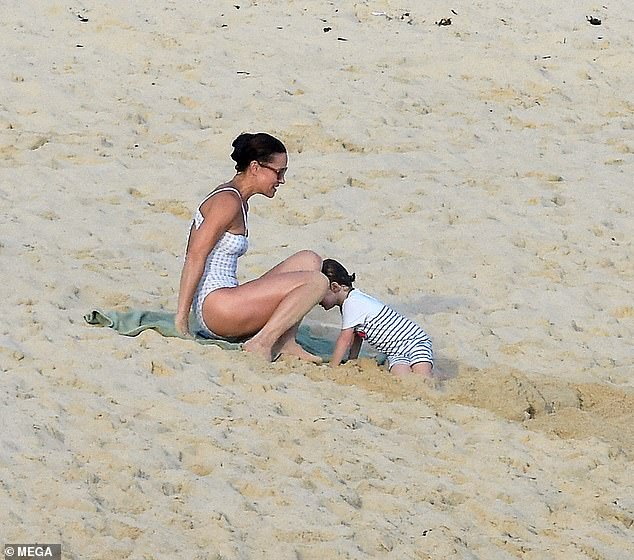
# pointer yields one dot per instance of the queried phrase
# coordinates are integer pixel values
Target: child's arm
(356, 347)
(342, 346)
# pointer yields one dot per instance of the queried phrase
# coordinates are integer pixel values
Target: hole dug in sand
(566, 410)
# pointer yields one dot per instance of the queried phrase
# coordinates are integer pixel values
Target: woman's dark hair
(255, 147)
(336, 272)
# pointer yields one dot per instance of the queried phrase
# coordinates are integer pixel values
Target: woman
(269, 308)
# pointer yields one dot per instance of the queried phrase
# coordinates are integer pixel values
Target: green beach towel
(134, 322)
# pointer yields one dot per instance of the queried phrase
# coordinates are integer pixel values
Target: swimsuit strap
(232, 189)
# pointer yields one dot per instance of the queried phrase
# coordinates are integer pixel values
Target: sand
(476, 176)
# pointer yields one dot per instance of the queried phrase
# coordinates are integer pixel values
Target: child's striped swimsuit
(399, 338)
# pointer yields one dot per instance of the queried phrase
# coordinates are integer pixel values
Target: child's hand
(342, 346)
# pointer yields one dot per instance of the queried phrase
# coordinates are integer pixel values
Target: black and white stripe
(388, 331)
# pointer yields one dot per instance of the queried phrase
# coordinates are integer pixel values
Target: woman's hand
(182, 326)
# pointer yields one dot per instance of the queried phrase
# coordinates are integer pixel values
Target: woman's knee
(309, 260)
(322, 284)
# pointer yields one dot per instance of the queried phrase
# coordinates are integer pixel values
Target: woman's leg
(278, 334)
(302, 260)
(288, 345)
(269, 306)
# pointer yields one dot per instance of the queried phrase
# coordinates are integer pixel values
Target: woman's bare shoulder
(222, 197)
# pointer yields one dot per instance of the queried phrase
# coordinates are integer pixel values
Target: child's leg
(400, 369)
(422, 358)
(422, 368)
(398, 365)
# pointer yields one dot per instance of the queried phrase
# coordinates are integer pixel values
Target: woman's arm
(220, 214)
(342, 346)
(190, 276)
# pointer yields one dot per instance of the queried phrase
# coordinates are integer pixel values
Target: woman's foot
(255, 347)
(292, 348)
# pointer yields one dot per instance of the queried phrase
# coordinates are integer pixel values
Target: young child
(407, 346)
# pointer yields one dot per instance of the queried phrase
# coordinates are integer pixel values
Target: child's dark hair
(255, 147)
(336, 272)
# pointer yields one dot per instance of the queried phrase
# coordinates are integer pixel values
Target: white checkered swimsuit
(221, 265)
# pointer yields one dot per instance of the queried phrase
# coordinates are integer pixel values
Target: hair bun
(242, 138)
(250, 147)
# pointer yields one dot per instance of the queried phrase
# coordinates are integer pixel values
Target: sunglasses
(279, 172)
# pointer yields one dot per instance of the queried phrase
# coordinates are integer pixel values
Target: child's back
(407, 346)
